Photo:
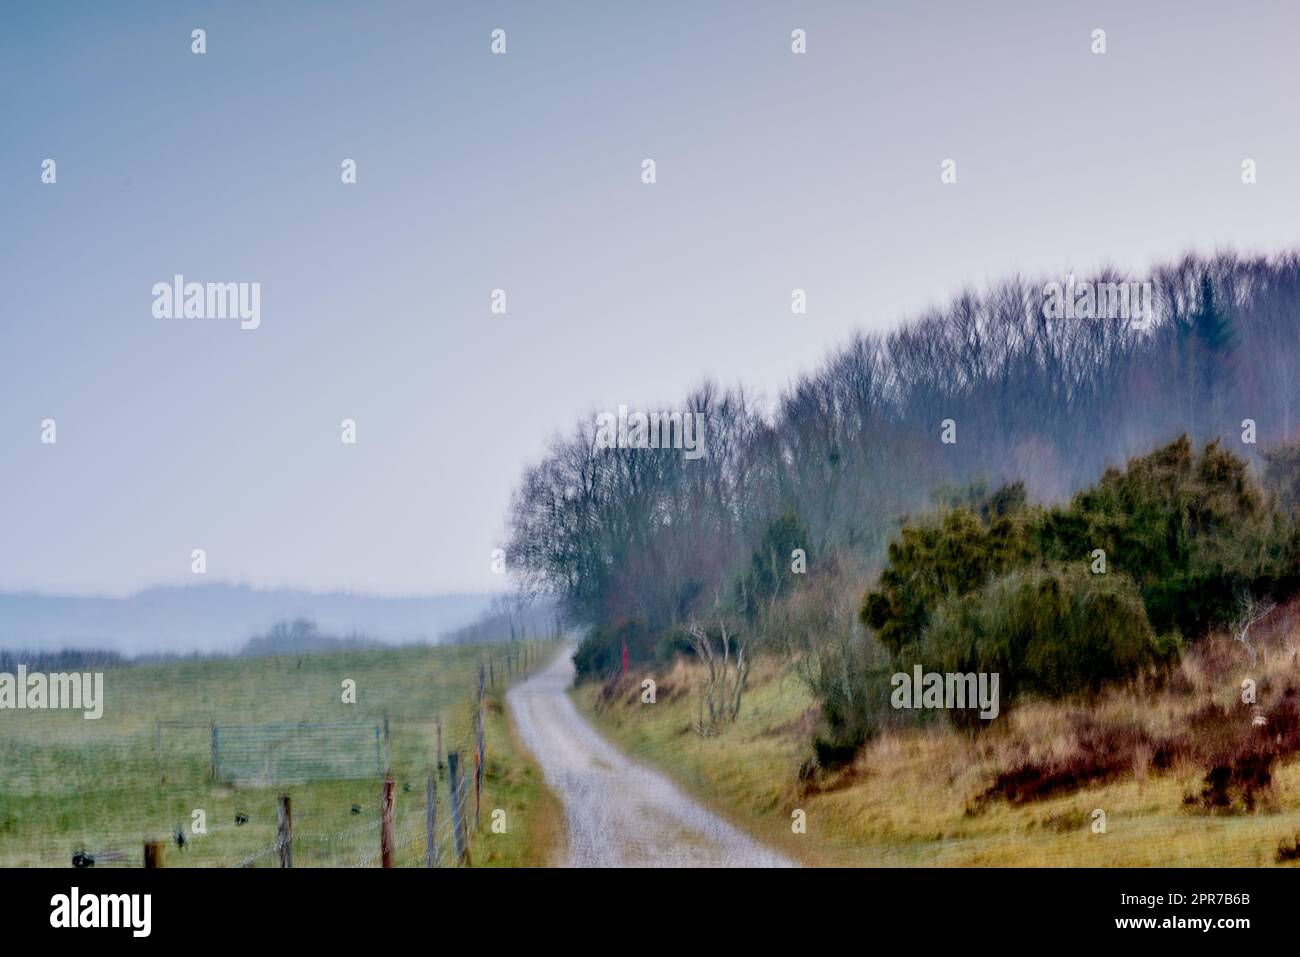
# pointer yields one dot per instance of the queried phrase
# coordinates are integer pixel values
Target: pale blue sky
(522, 171)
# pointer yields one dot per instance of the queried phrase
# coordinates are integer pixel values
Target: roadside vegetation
(1108, 705)
(1179, 771)
(1102, 513)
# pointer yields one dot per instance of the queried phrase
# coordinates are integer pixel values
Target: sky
(522, 172)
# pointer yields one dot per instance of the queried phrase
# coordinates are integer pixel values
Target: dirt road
(619, 813)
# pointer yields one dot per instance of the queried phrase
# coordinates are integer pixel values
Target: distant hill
(220, 618)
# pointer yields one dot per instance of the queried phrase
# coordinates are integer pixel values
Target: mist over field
(220, 618)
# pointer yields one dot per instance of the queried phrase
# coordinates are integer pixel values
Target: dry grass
(1181, 770)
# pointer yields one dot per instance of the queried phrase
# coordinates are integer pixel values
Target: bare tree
(1249, 611)
(727, 676)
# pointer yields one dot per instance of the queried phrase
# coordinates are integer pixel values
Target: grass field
(68, 783)
(907, 799)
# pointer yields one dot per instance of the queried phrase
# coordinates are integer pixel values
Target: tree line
(642, 548)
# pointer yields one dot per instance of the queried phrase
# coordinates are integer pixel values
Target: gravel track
(618, 813)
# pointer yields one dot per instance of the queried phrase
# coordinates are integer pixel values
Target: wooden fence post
(386, 824)
(492, 674)
(478, 766)
(478, 752)
(157, 746)
(457, 812)
(284, 836)
(386, 749)
(430, 823)
(212, 769)
(439, 721)
(153, 854)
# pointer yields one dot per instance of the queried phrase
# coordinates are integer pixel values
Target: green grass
(905, 801)
(68, 783)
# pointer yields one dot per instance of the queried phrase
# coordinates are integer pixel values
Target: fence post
(157, 746)
(457, 812)
(153, 854)
(439, 721)
(212, 769)
(478, 765)
(430, 823)
(492, 673)
(478, 751)
(284, 836)
(386, 749)
(386, 823)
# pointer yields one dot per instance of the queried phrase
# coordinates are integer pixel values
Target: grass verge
(911, 798)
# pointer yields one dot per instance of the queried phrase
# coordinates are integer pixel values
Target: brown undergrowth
(1220, 712)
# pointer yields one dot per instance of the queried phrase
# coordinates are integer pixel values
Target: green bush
(842, 664)
(1050, 632)
(932, 561)
(854, 696)
(1194, 532)
(994, 585)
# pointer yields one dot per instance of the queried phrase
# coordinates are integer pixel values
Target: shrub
(842, 664)
(1046, 631)
(1194, 532)
(852, 685)
(932, 561)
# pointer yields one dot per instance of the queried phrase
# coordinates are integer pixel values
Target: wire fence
(262, 754)
(385, 791)
(430, 826)
(420, 832)
(395, 791)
